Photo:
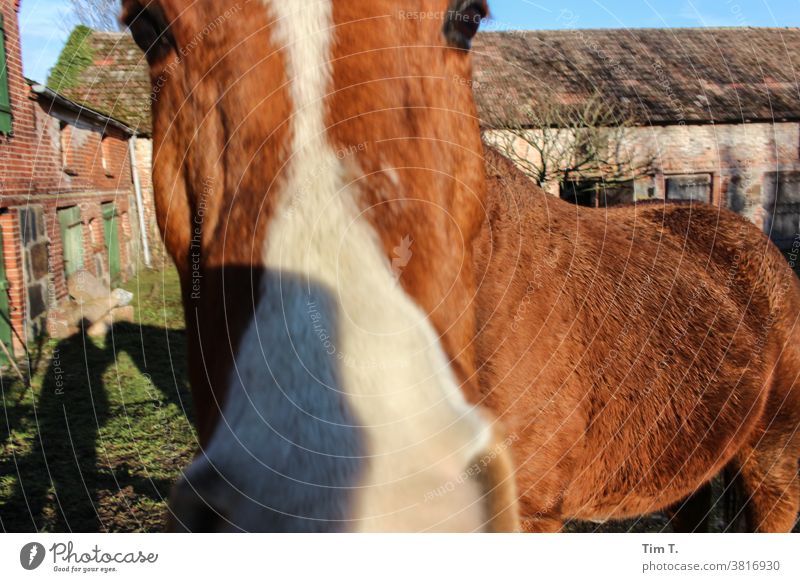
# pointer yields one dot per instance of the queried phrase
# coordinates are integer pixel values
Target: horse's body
(634, 352)
(319, 182)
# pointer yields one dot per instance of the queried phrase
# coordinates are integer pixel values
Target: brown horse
(352, 292)
(319, 181)
(634, 353)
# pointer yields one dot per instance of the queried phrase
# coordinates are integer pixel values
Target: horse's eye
(462, 22)
(149, 28)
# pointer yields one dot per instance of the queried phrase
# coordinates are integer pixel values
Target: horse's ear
(463, 20)
(149, 28)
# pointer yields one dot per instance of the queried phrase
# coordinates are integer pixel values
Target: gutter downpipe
(137, 186)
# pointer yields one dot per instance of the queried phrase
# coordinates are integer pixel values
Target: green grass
(97, 441)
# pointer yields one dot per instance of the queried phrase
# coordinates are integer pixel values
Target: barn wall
(739, 159)
(738, 156)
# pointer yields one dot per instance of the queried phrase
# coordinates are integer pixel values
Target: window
(105, 156)
(5, 101)
(696, 188)
(580, 193)
(597, 193)
(782, 207)
(65, 136)
(35, 260)
(645, 188)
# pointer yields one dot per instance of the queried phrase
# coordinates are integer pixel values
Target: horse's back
(629, 334)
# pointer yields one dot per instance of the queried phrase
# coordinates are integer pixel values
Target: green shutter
(69, 220)
(5, 103)
(111, 232)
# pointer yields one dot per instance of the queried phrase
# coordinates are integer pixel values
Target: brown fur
(216, 160)
(636, 352)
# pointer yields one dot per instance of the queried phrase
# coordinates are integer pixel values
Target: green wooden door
(110, 229)
(69, 220)
(5, 313)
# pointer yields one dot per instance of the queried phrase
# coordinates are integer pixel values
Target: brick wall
(12, 257)
(16, 151)
(736, 156)
(72, 159)
(52, 160)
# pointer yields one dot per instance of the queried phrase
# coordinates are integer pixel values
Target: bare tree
(97, 14)
(553, 142)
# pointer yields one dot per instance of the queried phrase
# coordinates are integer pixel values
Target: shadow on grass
(65, 479)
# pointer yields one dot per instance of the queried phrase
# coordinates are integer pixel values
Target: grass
(97, 441)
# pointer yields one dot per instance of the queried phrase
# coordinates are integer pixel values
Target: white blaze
(421, 435)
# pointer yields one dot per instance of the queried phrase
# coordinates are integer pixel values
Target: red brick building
(66, 195)
(107, 72)
(718, 110)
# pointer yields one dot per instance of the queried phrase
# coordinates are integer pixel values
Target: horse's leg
(691, 514)
(771, 488)
(770, 473)
(767, 465)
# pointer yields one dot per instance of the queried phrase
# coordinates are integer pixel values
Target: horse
(634, 353)
(318, 178)
(383, 338)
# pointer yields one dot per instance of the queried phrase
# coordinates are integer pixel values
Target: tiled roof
(660, 76)
(117, 81)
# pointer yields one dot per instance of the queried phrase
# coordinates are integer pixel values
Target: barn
(701, 114)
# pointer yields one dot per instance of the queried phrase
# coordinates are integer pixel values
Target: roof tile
(659, 76)
(117, 82)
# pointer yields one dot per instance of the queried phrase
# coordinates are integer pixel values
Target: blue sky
(44, 29)
(44, 22)
(643, 13)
